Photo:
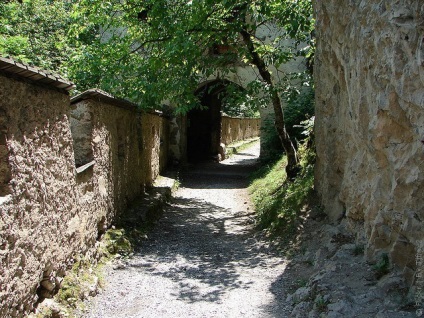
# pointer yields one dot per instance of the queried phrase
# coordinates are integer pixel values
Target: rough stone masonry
(369, 72)
(64, 176)
(68, 168)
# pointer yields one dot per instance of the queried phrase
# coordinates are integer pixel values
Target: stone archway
(204, 124)
(241, 76)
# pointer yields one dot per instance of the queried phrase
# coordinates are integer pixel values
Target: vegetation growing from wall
(85, 278)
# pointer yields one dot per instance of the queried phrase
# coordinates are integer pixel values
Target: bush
(297, 111)
(270, 142)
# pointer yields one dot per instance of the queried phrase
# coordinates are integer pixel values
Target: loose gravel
(203, 257)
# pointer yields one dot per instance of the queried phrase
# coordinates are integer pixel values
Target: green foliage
(306, 151)
(16, 46)
(298, 113)
(298, 109)
(301, 282)
(359, 250)
(236, 102)
(35, 32)
(270, 140)
(382, 267)
(321, 304)
(150, 51)
(279, 203)
(117, 242)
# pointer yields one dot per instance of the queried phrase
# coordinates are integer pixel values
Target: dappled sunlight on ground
(204, 257)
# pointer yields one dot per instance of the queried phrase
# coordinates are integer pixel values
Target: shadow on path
(195, 245)
(203, 258)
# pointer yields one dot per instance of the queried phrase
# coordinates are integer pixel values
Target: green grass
(321, 304)
(239, 146)
(382, 267)
(280, 204)
(359, 250)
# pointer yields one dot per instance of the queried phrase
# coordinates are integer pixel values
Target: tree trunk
(292, 167)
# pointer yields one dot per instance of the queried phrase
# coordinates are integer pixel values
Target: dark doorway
(204, 125)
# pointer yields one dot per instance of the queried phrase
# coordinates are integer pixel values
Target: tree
(35, 32)
(149, 51)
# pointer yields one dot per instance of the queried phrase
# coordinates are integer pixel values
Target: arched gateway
(204, 125)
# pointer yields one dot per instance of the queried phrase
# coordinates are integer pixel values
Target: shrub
(298, 110)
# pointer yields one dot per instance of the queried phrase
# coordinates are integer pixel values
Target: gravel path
(203, 258)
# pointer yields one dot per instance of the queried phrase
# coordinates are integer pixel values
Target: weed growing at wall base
(382, 267)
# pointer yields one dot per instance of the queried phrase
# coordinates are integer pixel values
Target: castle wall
(66, 173)
(68, 169)
(237, 129)
(39, 235)
(369, 130)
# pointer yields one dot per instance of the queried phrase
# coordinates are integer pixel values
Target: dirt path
(203, 258)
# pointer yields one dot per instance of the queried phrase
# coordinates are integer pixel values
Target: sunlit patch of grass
(279, 203)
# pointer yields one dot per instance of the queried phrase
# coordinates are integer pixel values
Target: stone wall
(112, 177)
(369, 72)
(38, 233)
(155, 141)
(236, 129)
(127, 154)
(66, 173)
(68, 168)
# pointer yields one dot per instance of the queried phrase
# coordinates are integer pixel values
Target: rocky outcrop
(369, 72)
(330, 277)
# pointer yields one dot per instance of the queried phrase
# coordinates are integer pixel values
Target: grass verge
(281, 205)
(239, 146)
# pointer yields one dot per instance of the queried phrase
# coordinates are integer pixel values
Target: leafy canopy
(36, 32)
(149, 51)
(155, 50)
